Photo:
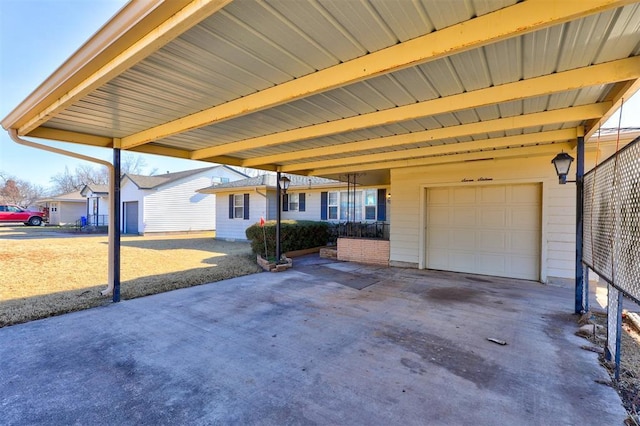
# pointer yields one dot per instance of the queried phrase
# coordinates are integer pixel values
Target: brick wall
(364, 251)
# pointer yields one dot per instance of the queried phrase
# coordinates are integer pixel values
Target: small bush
(294, 235)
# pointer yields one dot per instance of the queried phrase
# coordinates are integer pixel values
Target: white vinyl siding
(70, 212)
(178, 207)
(234, 229)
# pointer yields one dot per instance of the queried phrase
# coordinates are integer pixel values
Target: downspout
(13, 133)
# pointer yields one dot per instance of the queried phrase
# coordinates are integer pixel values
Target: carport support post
(278, 209)
(582, 288)
(115, 222)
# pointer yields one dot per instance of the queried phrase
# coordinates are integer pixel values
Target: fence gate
(611, 237)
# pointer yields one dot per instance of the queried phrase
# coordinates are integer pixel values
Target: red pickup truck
(10, 213)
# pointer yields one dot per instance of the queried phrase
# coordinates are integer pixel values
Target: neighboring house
(170, 202)
(242, 203)
(64, 209)
(97, 204)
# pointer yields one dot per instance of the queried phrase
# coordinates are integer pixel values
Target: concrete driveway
(323, 343)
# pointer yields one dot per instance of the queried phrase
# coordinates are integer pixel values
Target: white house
(97, 204)
(243, 202)
(64, 209)
(169, 202)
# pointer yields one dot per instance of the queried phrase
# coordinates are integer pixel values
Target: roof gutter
(13, 133)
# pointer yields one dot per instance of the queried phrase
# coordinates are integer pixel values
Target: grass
(48, 272)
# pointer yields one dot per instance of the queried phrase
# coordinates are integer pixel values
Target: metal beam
(512, 21)
(562, 115)
(162, 34)
(620, 70)
(73, 137)
(452, 148)
(529, 151)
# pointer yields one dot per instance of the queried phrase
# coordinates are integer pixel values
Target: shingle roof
(269, 181)
(96, 188)
(150, 182)
(70, 196)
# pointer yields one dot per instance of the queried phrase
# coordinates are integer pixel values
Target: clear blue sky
(36, 37)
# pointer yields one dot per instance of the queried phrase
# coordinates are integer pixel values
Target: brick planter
(272, 266)
(363, 250)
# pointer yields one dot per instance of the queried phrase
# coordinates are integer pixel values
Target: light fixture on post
(562, 163)
(282, 184)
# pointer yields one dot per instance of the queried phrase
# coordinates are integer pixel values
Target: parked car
(11, 213)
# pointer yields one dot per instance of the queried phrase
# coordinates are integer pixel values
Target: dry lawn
(47, 272)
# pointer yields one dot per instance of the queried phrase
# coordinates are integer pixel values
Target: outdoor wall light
(284, 183)
(562, 163)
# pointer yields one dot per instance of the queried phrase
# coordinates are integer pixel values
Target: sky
(37, 36)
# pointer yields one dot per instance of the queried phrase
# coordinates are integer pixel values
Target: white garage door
(489, 230)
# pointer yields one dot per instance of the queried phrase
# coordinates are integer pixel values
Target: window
(363, 205)
(333, 205)
(351, 206)
(293, 202)
(370, 201)
(238, 206)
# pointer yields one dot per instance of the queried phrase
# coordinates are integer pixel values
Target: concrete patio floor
(307, 347)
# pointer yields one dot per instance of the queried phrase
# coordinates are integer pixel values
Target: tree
(86, 174)
(19, 192)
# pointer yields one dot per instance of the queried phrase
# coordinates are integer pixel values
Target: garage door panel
(491, 229)
(523, 241)
(438, 196)
(464, 196)
(462, 239)
(464, 218)
(491, 264)
(438, 238)
(525, 218)
(522, 267)
(493, 218)
(527, 194)
(460, 261)
(493, 194)
(492, 240)
(438, 216)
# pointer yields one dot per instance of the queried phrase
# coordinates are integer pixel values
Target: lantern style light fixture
(284, 183)
(562, 163)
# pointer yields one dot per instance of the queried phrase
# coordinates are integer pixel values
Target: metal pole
(581, 286)
(278, 209)
(115, 207)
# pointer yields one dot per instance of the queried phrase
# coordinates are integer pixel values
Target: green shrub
(294, 235)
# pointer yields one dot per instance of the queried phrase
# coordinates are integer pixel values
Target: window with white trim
(294, 200)
(238, 206)
(332, 205)
(370, 203)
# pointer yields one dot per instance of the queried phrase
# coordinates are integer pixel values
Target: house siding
(70, 212)
(558, 207)
(264, 205)
(234, 229)
(177, 207)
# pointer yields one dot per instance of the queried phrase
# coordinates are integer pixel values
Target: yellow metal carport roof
(325, 88)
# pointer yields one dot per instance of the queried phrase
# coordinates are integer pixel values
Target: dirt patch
(629, 384)
(48, 276)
